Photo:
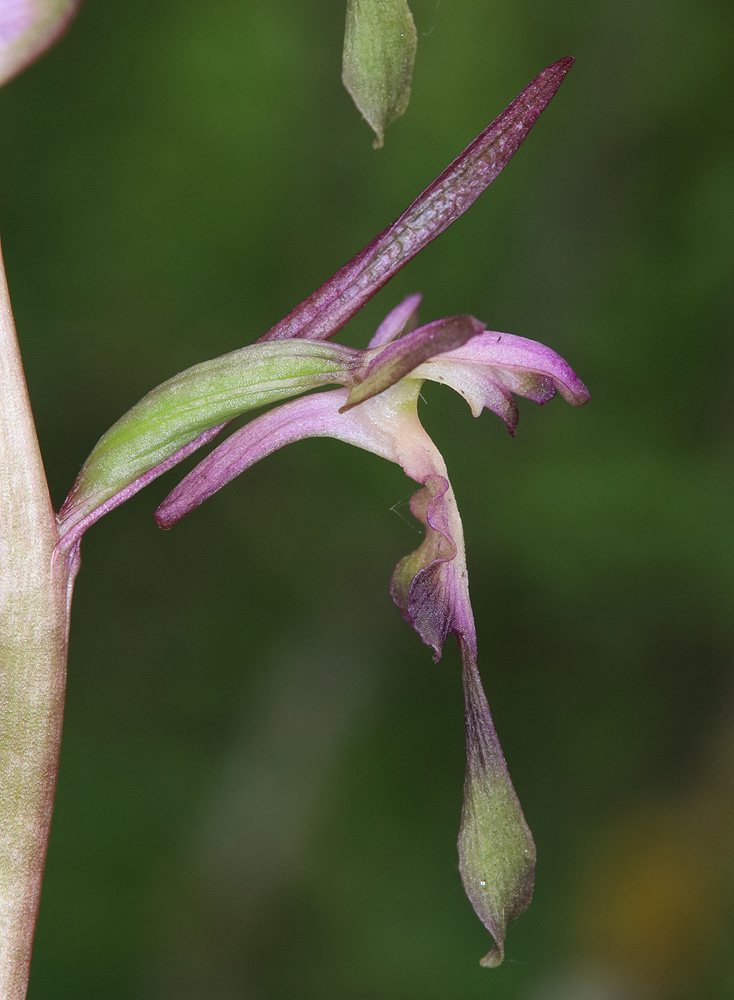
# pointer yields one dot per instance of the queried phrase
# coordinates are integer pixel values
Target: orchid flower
(374, 408)
(430, 586)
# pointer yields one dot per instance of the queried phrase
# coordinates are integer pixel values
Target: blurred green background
(261, 771)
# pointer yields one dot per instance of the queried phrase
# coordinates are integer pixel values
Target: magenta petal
(479, 386)
(401, 319)
(518, 356)
(400, 358)
(333, 304)
(488, 368)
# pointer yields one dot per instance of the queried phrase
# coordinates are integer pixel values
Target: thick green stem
(34, 588)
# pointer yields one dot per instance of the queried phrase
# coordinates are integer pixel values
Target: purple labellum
(430, 585)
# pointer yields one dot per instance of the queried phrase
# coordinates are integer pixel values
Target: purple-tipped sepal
(490, 367)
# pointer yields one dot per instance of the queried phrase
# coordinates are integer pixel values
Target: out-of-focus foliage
(260, 779)
(380, 41)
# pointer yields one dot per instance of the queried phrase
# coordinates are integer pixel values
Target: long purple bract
(332, 305)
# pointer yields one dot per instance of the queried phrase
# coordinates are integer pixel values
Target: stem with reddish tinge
(34, 595)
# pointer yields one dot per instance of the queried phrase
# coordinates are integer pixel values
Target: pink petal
(402, 319)
(488, 368)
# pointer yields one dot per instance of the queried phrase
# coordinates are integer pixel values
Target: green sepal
(176, 412)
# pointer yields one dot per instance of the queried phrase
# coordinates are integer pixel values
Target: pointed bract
(332, 305)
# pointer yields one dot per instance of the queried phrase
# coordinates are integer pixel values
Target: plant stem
(35, 589)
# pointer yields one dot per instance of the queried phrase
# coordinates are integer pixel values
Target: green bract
(176, 412)
(379, 51)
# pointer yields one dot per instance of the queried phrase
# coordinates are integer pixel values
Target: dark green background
(261, 772)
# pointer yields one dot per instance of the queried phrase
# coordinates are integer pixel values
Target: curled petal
(400, 358)
(28, 28)
(402, 319)
(430, 585)
(490, 367)
(496, 849)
